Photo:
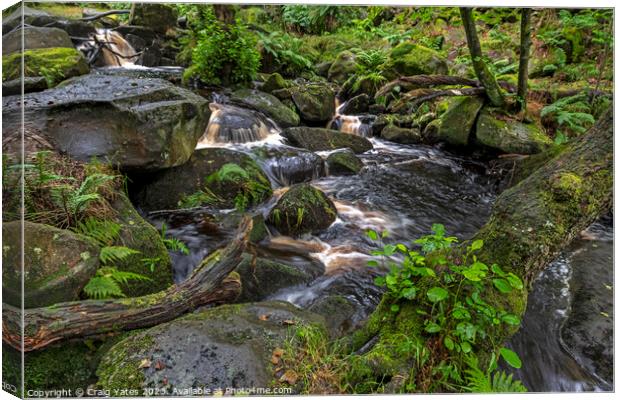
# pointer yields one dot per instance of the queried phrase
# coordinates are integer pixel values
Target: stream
(402, 189)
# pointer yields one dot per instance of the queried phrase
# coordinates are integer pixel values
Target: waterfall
(349, 123)
(231, 124)
(109, 48)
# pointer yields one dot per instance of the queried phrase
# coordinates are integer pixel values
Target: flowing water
(110, 49)
(402, 189)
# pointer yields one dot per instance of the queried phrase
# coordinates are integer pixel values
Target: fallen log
(408, 83)
(104, 14)
(531, 223)
(77, 319)
(412, 100)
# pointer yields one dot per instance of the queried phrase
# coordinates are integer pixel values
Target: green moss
(412, 59)
(118, 371)
(275, 81)
(55, 64)
(458, 121)
(242, 184)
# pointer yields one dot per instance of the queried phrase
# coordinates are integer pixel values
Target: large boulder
(54, 64)
(302, 209)
(31, 16)
(356, 105)
(57, 264)
(343, 162)
(342, 68)
(261, 277)
(397, 134)
(135, 124)
(212, 176)
(316, 102)
(158, 17)
(319, 139)
(274, 82)
(34, 38)
(31, 84)
(287, 165)
(232, 346)
(502, 133)
(409, 59)
(268, 105)
(458, 121)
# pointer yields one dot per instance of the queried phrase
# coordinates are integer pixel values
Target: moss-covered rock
(273, 82)
(35, 38)
(319, 139)
(356, 105)
(396, 134)
(139, 235)
(343, 66)
(54, 64)
(212, 176)
(302, 209)
(268, 105)
(509, 136)
(159, 17)
(343, 162)
(458, 121)
(261, 277)
(409, 59)
(337, 311)
(315, 102)
(231, 347)
(14, 86)
(57, 264)
(430, 134)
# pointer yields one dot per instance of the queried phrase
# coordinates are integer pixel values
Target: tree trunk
(530, 224)
(493, 91)
(524, 56)
(207, 285)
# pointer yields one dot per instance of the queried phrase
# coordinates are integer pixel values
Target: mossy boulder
(139, 235)
(302, 209)
(136, 124)
(458, 121)
(273, 82)
(337, 311)
(409, 59)
(430, 134)
(159, 17)
(231, 347)
(54, 64)
(343, 66)
(261, 277)
(507, 135)
(57, 264)
(316, 102)
(396, 134)
(356, 105)
(268, 105)
(26, 15)
(343, 162)
(34, 38)
(212, 176)
(319, 139)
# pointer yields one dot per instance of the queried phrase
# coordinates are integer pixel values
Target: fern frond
(122, 277)
(93, 183)
(105, 232)
(111, 254)
(102, 287)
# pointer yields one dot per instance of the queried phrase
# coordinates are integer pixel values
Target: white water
(115, 50)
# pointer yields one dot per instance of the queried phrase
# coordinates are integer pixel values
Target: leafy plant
(491, 380)
(250, 190)
(286, 52)
(106, 283)
(572, 115)
(173, 244)
(105, 232)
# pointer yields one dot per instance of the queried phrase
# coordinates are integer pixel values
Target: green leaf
(497, 270)
(373, 263)
(372, 234)
(389, 250)
(432, 327)
(380, 281)
(448, 343)
(409, 293)
(111, 254)
(465, 347)
(514, 281)
(402, 248)
(390, 279)
(511, 319)
(477, 245)
(436, 294)
(461, 313)
(502, 285)
(510, 357)
(394, 308)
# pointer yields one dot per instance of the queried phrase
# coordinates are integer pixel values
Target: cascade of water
(348, 123)
(110, 48)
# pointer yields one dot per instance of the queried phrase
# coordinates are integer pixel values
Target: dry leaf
(263, 317)
(288, 322)
(146, 363)
(289, 377)
(275, 356)
(159, 365)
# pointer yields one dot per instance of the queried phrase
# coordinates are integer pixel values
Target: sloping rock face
(136, 124)
(53, 64)
(57, 264)
(31, 17)
(231, 347)
(458, 121)
(319, 139)
(409, 59)
(268, 105)
(34, 38)
(159, 17)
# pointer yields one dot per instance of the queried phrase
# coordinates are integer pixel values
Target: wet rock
(302, 209)
(232, 347)
(315, 102)
(356, 105)
(430, 134)
(159, 17)
(268, 105)
(396, 134)
(145, 33)
(66, 62)
(14, 86)
(75, 28)
(57, 264)
(508, 135)
(319, 139)
(212, 176)
(232, 124)
(343, 66)
(322, 69)
(139, 235)
(31, 16)
(287, 166)
(376, 109)
(135, 124)
(274, 82)
(337, 311)
(261, 277)
(150, 57)
(409, 59)
(458, 121)
(343, 162)
(34, 38)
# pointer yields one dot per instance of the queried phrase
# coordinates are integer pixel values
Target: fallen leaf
(146, 363)
(263, 317)
(275, 356)
(289, 377)
(159, 365)
(278, 352)
(288, 322)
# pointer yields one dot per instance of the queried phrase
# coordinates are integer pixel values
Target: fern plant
(572, 115)
(491, 380)
(286, 52)
(107, 283)
(105, 232)
(74, 202)
(173, 243)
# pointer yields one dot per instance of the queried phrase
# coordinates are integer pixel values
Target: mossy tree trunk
(530, 224)
(524, 55)
(78, 319)
(493, 91)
